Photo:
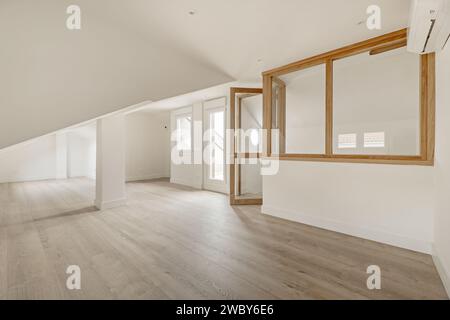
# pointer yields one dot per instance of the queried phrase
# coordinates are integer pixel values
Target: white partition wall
(110, 189)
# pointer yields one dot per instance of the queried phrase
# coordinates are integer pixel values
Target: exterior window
(254, 137)
(184, 127)
(347, 141)
(216, 138)
(374, 140)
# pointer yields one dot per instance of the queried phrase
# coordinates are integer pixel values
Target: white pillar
(110, 183)
(61, 155)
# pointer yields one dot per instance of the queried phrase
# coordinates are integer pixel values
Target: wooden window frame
(376, 45)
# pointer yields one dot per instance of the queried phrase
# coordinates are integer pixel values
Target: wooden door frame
(237, 155)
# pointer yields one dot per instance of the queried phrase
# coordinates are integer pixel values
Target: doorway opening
(245, 171)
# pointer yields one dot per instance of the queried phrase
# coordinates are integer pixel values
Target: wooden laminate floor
(172, 242)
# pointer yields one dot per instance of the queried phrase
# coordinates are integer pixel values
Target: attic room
(188, 151)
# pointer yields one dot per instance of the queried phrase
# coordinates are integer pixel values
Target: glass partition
(376, 104)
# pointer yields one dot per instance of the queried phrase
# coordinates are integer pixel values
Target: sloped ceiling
(52, 78)
(234, 34)
(138, 50)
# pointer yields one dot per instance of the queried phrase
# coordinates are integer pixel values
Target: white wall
(387, 203)
(57, 156)
(81, 155)
(61, 155)
(147, 146)
(34, 160)
(442, 168)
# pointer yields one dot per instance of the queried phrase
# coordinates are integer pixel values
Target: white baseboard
(147, 177)
(187, 183)
(353, 230)
(443, 271)
(104, 205)
(28, 179)
(216, 187)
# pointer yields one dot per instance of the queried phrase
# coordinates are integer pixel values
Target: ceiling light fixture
(191, 12)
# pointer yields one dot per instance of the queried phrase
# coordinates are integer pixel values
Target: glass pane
(216, 151)
(249, 120)
(376, 104)
(184, 133)
(305, 111)
(250, 186)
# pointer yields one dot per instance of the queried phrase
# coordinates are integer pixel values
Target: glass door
(214, 135)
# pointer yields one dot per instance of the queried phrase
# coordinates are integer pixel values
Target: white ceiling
(233, 35)
(138, 50)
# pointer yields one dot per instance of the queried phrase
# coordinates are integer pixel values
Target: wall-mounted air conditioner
(429, 26)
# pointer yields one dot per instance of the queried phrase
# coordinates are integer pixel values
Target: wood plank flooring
(173, 242)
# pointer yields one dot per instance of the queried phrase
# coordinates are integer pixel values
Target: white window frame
(177, 142)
